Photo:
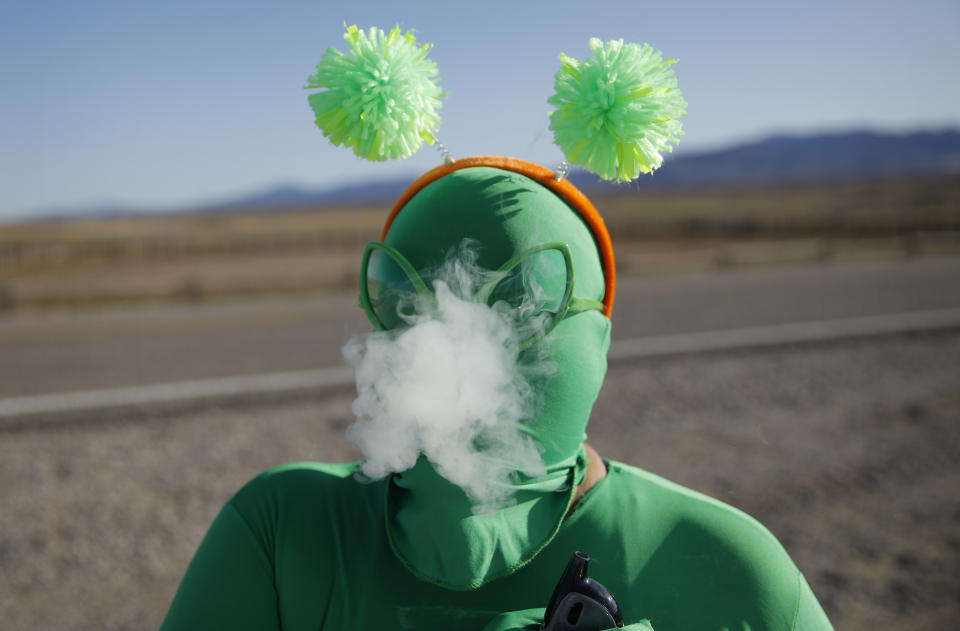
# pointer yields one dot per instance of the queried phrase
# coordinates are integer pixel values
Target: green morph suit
(308, 546)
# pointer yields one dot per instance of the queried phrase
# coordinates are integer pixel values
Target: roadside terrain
(847, 451)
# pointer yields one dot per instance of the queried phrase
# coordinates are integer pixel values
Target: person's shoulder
(702, 518)
(311, 476)
(301, 486)
(308, 473)
(699, 536)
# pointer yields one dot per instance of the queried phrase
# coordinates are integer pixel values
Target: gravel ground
(849, 452)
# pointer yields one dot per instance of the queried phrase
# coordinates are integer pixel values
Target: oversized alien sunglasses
(535, 284)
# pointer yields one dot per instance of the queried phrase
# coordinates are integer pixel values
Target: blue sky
(166, 104)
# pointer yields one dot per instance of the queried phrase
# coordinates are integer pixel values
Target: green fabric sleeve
(229, 584)
(532, 620)
(523, 620)
(810, 615)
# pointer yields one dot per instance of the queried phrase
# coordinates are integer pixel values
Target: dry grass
(879, 207)
(73, 263)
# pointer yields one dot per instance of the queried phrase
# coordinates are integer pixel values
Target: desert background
(116, 452)
(180, 249)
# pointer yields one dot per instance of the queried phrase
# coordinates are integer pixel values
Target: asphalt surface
(53, 353)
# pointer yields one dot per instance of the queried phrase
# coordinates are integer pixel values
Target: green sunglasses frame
(569, 305)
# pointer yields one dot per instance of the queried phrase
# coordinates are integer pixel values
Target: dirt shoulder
(846, 451)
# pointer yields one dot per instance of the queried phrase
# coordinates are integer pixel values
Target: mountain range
(779, 159)
(776, 159)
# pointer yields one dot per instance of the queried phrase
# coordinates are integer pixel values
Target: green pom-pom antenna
(382, 99)
(618, 110)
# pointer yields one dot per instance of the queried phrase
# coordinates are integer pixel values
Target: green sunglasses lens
(390, 291)
(535, 287)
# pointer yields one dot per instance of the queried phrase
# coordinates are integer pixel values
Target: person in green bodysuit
(313, 546)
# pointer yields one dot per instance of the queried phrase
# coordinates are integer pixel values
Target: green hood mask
(431, 523)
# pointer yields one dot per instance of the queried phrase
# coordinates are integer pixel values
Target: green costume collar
(456, 549)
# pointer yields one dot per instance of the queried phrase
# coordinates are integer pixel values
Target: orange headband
(563, 188)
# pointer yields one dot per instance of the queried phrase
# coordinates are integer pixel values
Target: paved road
(62, 353)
